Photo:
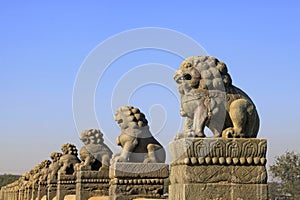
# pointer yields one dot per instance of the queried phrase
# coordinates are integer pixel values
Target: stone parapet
(137, 180)
(92, 183)
(66, 185)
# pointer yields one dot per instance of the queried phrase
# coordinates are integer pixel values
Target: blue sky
(44, 43)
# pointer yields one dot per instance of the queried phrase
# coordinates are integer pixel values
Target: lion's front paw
(232, 133)
(84, 167)
(192, 133)
(149, 160)
(119, 159)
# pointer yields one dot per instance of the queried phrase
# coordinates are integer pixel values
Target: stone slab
(92, 183)
(139, 170)
(66, 185)
(218, 173)
(218, 191)
(137, 180)
(129, 192)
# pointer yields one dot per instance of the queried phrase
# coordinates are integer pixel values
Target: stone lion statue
(69, 159)
(45, 164)
(54, 166)
(40, 171)
(136, 140)
(95, 155)
(208, 98)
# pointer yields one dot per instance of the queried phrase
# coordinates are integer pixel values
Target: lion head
(55, 156)
(69, 149)
(91, 136)
(129, 117)
(202, 72)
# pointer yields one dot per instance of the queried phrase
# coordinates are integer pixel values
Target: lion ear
(227, 80)
(135, 110)
(137, 116)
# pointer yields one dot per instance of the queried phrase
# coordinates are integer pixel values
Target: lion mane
(208, 98)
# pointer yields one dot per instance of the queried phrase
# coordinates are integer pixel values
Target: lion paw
(119, 159)
(232, 133)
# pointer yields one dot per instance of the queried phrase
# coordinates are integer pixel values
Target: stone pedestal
(34, 192)
(92, 183)
(42, 190)
(21, 194)
(216, 168)
(66, 185)
(28, 192)
(51, 188)
(137, 180)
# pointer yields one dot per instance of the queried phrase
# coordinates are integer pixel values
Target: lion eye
(187, 77)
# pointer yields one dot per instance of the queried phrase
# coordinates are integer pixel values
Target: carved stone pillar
(21, 194)
(42, 189)
(66, 185)
(217, 168)
(92, 183)
(51, 188)
(137, 180)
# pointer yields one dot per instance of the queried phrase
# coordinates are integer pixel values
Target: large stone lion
(95, 155)
(136, 140)
(208, 98)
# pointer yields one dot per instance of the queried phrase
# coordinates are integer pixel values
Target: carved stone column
(137, 180)
(21, 193)
(214, 168)
(28, 192)
(34, 192)
(91, 184)
(66, 185)
(42, 189)
(51, 188)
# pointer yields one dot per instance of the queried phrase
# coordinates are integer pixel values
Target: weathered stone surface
(66, 185)
(136, 140)
(92, 183)
(220, 151)
(129, 192)
(69, 159)
(139, 170)
(208, 98)
(42, 189)
(221, 191)
(94, 155)
(51, 188)
(134, 180)
(218, 173)
(218, 168)
(93, 172)
(54, 166)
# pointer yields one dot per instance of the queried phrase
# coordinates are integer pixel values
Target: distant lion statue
(69, 159)
(94, 155)
(136, 140)
(54, 166)
(208, 98)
